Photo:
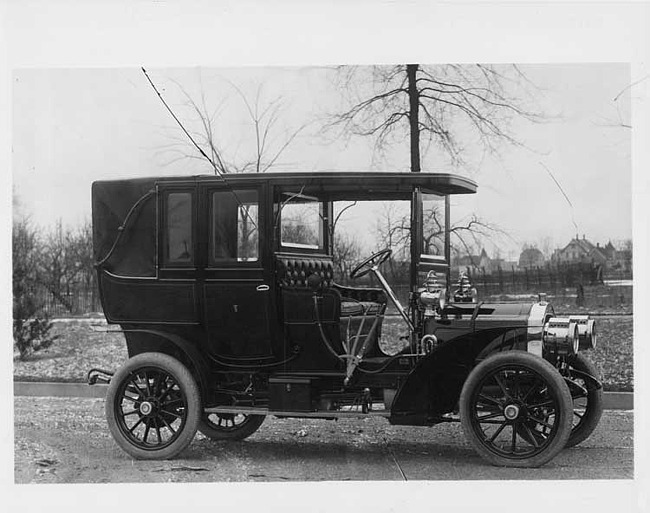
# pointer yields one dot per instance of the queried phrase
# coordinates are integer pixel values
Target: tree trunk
(414, 122)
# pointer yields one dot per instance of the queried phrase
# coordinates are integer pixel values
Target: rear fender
(145, 340)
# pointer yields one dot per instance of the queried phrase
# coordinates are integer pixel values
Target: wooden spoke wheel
(516, 410)
(153, 406)
(229, 426)
(587, 398)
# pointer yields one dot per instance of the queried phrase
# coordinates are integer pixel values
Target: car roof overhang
(336, 186)
(360, 186)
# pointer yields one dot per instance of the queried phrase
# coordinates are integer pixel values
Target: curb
(39, 389)
(611, 400)
(618, 400)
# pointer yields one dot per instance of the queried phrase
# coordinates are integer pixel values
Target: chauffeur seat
(345, 305)
(353, 308)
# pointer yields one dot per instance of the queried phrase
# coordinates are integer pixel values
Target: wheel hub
(511, 412)
(146, 407)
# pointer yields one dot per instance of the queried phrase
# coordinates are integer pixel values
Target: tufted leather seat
(343, 307)
(293, 271)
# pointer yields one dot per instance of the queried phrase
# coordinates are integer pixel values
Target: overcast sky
(74, 126)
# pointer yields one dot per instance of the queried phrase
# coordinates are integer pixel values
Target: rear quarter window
(179, 244)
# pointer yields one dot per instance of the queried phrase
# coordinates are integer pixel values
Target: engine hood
(504, 310)
(490, 315)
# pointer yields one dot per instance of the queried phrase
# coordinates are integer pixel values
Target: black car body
(225, 290)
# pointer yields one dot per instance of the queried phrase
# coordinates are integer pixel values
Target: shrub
(31, 335)
(31, 328)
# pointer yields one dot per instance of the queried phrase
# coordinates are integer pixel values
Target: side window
(178, 249)
(302, 223)
(234, 233)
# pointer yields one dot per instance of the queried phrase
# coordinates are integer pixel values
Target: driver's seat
(359, 301)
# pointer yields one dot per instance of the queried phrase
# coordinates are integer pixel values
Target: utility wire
(563, 194)
(214, 166)
(216, 170)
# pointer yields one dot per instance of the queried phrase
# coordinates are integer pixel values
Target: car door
(237, 287)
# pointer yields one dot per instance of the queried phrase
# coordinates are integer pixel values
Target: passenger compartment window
(302, 223)
(178, 229)
(234, 233)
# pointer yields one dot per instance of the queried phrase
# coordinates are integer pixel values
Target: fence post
(485, 284)
(500, 280)
(527, 279)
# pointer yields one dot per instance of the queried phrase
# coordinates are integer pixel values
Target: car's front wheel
(587, 397)
(153, 406)
(516, 410)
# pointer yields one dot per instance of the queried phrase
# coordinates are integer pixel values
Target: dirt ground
(66, 440)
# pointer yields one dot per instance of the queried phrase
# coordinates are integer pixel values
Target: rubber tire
(552, 378)
(185, 381)
(250, 425)
(594, 409)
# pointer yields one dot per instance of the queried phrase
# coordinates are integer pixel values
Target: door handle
(262, 288)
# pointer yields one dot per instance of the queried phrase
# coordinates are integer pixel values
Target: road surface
(66, 440)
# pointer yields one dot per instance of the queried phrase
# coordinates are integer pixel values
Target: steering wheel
(369, 263)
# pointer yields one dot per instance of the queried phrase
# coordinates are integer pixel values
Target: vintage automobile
(224, 288)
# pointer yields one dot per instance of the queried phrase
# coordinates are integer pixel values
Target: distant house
(622, 260)
(580, 250)
(480, 262)
(531, 257)
(609, 251)
(473, 262)
(618, 259)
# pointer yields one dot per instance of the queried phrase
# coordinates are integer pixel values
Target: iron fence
(74, 301)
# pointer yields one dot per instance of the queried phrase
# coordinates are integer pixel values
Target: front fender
(433, 387)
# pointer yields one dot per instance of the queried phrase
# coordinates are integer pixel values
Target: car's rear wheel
(587, 398)
(516, 410)
(153, 406)
(229, 426)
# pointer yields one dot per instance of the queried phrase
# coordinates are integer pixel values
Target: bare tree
(55, 266)
(66, 261)
(80, 254)
(393, 230)
(449, 106)
(433, 104)
(205, 145)
(621, 114)
(263, 118)
(346, 254)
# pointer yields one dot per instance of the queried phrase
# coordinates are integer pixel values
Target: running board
(242, 410)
